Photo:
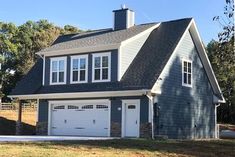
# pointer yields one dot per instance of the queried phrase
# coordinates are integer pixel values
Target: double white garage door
(84, 118)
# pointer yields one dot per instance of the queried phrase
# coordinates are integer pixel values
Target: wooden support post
(19, 121)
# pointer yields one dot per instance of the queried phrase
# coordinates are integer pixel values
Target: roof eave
(218, 100)
(82, 94)
(78, 50)
(205, 59)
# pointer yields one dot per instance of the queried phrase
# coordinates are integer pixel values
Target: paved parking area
(48, 138)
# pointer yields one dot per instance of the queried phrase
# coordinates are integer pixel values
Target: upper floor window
(101, 67)
(187, 73)
(79, 66)
(58, 70)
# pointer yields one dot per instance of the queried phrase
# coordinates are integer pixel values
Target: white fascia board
(149, 30)
(80, 50)
(217, 100)
(205, 60)
(82, 94)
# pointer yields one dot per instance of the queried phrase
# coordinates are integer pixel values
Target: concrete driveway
(49, 138)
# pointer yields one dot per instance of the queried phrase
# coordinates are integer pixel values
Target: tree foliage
(222, 57)
(18, 45)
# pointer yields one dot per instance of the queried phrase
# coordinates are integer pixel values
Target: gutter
(82, 94)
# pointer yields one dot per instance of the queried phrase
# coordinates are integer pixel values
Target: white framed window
(101, 67)
(187, 73)
(79, 69)
(58, 67)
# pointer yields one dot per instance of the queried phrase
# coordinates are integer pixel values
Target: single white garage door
(80, 119)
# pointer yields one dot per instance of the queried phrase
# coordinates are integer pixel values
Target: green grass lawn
(130, 148)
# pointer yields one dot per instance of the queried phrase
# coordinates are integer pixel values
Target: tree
(18, 45)
(222, 57)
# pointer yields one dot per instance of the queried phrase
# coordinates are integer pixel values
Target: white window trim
(182, 64)
(109, 66)
(71, 69)
(65, 70)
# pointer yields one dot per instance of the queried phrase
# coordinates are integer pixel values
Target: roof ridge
(177, 20)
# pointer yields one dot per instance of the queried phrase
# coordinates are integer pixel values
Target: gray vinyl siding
(114, 60)
(129, 51)
(185, 112)
(43, 111)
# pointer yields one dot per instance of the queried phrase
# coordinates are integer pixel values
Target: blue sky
(95, 14)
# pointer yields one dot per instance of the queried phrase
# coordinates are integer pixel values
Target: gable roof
(104, 37)
(158, 47)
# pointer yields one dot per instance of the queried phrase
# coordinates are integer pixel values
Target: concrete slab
(49, 138)
(227, 134)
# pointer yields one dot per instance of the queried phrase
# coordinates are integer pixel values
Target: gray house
(145, 80)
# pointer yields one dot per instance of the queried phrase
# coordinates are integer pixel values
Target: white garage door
(80, 119)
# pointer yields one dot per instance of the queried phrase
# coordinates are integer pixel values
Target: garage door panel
(80, 119)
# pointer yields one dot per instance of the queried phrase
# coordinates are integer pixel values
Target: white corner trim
(124, 102)
(43, 70)
(119, 63)
(71, 68)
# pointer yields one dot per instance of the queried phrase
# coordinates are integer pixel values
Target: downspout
(152, 115)
(216, 126)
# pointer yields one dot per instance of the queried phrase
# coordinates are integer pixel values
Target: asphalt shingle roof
(141, 74)
(96, 38)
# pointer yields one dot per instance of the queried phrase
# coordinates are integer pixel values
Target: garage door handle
(136, 122)
(93, 121)
(65, 121)
(79, 128)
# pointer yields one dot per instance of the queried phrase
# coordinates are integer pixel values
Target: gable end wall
(184, 112)
(129, 51)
